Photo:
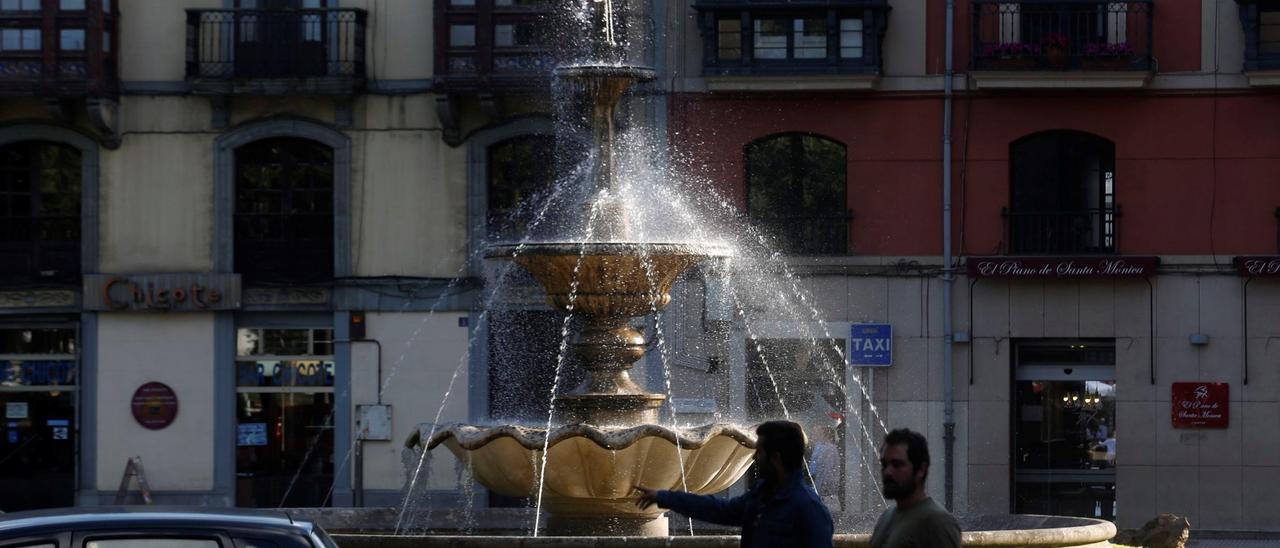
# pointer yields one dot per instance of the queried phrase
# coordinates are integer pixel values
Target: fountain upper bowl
(608, 278)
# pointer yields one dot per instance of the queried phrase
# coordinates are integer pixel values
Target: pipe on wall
(948, 268)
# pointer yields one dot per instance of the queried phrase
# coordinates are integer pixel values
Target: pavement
(1231, 543)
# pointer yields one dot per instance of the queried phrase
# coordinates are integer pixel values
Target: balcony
(802, 45)
(1061, 44)
(1085, 231)
(276, 51)
(59, 49)
(492, 46)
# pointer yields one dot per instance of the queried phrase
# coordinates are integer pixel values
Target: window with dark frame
(504, 41)
(797, 192)
(40, 212)
(80, 60)
(519, 176)
(743, 38)
(1266, 19)
(284, 211)
(1062, 194)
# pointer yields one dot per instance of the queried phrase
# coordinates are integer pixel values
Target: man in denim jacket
(782, 509)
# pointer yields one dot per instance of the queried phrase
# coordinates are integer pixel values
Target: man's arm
(703, 507)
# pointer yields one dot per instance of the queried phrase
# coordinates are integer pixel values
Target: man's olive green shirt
(923, 525)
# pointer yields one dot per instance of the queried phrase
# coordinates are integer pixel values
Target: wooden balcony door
(276, 40)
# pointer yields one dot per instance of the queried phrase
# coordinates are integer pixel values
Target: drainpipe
(948, 268)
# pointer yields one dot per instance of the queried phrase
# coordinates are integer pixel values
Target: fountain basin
(595, 468)
(979, 531)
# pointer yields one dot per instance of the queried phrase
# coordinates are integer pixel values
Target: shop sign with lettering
(1268, 265)
(162, 292)
(1200, 404)
(1061, 267)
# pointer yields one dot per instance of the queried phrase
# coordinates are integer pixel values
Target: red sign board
(1061, 267)
(155, 405)
(1268, 265)
(1200, 404)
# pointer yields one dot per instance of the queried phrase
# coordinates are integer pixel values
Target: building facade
(274, 208)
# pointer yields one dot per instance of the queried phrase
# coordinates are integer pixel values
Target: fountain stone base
(571, 526)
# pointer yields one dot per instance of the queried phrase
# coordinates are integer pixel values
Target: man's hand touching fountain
(781, 509)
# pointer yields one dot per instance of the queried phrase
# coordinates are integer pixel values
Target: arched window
(40, 212)
(284, 210)
(519, 169)
(796, 191)
(1063, 194)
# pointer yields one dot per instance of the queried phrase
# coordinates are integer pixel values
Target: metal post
(357, 462)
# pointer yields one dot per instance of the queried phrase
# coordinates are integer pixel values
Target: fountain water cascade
(607, 438)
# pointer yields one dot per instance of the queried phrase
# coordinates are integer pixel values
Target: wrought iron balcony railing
(492, 45)
(1062, 35)
(59, 49)
(820, 234)
(278, 50)
(1061, 232)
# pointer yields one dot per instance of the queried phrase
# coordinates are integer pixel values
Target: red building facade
(1080, 130)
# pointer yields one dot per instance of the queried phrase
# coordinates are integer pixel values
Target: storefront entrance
(1064, 445)
(38, 434)
(284, 417)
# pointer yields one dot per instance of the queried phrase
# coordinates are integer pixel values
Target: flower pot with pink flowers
(1054, 45)
(1011, 55)
(1107, 56)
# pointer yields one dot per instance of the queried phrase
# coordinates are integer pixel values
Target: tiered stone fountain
(606, 438)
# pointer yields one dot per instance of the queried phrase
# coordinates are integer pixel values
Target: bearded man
(916, 521)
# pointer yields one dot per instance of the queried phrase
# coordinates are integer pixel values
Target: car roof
(63, 519)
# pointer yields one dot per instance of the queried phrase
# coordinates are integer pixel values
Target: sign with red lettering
(155, 405)
(168, 292)
(1268, 265)
(1061, 267)
(1200, 404)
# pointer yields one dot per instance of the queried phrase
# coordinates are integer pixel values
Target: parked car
(158, 527)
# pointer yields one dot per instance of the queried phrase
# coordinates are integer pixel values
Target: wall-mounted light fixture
(1198, 339)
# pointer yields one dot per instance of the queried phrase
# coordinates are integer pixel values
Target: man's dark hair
(917, 447)
(785, 438)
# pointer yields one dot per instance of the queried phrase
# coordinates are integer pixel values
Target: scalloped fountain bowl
(589, 486)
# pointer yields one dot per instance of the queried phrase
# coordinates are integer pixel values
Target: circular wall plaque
(155, 405)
